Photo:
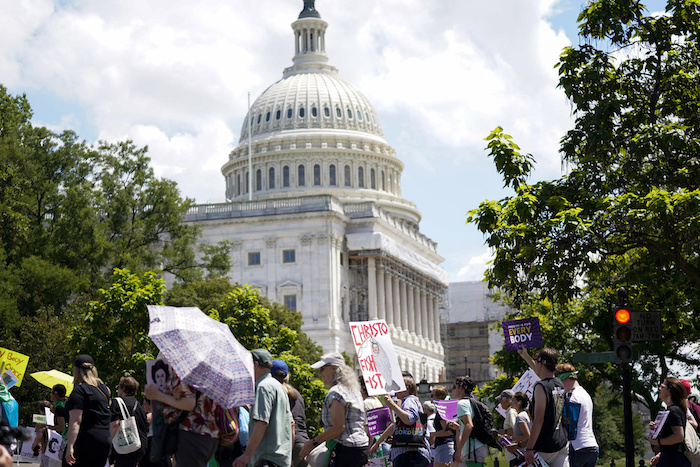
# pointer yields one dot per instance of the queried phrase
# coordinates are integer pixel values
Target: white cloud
(475, 268)
(174, 76)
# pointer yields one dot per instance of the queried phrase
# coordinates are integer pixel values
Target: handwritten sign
(446, 408)
(27, 453)
(378, 360)
(15, 361)
(377, 420)
(522, 333)
(525, 384)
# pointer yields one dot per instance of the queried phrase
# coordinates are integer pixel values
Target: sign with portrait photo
(378, 360)
(158, 373)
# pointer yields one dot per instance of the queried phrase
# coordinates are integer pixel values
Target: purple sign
(522, 333)
(447, 409)
(377, 420)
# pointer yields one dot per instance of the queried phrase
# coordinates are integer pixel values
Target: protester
(548, 436)
(198, 434)
(583, 451)
(41, 440)
(429, 410)
(270, 437)
(343, 414)
(443, 436)
(371, 402)
(670, 439)
(146, 459)
(280, 371)
(467, 448)
(409, 414)
(126, 390)
(521, 427)
(59, 399)
(88, 416)
(506, 399)
(693, 414)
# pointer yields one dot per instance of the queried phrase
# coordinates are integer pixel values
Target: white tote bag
(127, 438)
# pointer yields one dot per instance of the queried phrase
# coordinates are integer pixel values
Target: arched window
(314, 112)
(271, 178)
(258, 180)
(348, 180)
(259, 117)
(285, 176)
(326, 112)
(331, 174)
(317, 175)
(267, 117)
(349, 113)
(278, 115)
(360, 177)
(359, 115)
(338, 112)
(372, 182)
(289, 113)
(302, 176)
(301, 112)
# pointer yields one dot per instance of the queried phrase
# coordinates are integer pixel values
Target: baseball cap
(688, 388)
(329, 359)
(507, 393)
(279, 368)
(262, 356)
(84, 361)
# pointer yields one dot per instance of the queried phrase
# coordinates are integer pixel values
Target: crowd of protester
(273, 430)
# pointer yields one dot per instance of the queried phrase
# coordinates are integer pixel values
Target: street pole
(627, 403)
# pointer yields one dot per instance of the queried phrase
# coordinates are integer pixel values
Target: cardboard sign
(377, 420)
(15, 361)
(522, 333)
(446, 408)
(378, 360)
(525, 384)
(53, 447)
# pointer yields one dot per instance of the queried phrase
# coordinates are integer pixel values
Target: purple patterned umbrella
(204, 353)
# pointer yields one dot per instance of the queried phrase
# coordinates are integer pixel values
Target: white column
(425, 327)
(372, 288)
(411, 309)
(389, 299)
(404, 306)
(397, 301)
(381, 300)
(436, 316)
(431, 319)
(417, 311)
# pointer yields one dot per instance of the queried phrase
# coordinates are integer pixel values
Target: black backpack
(484, 426)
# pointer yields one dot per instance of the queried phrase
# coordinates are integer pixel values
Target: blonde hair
(86, 375)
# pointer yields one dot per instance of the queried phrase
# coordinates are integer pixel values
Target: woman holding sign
(670, 439)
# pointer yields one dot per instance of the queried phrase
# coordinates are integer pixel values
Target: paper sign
(658, 423)
(8, 378)
(27, 453)
(37, 418)
(378, 360)
(522, 333)
(15, 361)
(49, 416)
(377, 420)
(525, 384)
(446, 408)
(53, 447)
(158, 373)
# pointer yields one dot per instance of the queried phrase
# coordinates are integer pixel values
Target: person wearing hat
(280, 371)
(506, 399)
(583, 451)
(548, 436)
(693, 413)
(88, 416)
(270, 438)
(343, 414)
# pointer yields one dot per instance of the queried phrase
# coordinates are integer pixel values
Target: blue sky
(174, 75)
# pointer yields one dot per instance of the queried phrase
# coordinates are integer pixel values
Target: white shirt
(585, 437)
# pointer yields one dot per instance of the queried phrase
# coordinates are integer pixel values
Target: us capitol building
(325, 229)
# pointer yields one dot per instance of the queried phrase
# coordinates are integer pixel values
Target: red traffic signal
(623, 315)
(623, 335)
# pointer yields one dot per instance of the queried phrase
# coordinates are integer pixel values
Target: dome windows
(326, 112)
(259, 117)
(331, 174)
(285, 176)
(359, 115)
(314, 112)
(271, 178)
(372, 179)
(317, 175)
(301, 112)
(360, 177)
(338, 112)
(278, 114)
(349, 113)
(267, 117)
(301, 180)
(290, 112)
(348, 180)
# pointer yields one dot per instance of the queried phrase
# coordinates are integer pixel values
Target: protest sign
(158, 373)
(525, 384)
(39, 418)
(522, 333)
(15, 361)
(378, 360)
(49, 416)
(53, 447)
(377, 420)
(26, 452)
(446, 408)
(8, 378)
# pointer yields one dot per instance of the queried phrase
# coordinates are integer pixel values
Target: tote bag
(127, 439)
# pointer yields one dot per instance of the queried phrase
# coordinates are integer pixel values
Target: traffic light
(623, 335)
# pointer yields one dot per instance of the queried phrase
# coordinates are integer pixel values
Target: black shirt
(676, 417)
(552, 436)
(138, 412)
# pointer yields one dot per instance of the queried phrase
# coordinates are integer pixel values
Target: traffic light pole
(627, 405)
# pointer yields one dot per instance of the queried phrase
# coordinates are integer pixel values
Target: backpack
(692, 445)
(569, 418)
(695, 410)
(484, 426)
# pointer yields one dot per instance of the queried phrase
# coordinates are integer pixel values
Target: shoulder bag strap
(122, 408)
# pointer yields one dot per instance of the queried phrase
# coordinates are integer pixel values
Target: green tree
(627, 212)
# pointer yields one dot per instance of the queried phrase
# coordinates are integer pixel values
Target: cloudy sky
(175, 75)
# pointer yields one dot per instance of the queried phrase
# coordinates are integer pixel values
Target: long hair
(679, 396)
(345, 376)
(86, 375)
(523, 399)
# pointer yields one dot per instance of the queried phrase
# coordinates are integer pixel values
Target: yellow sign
(15, 361)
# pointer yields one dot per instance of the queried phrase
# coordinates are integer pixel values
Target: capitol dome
(313, 133)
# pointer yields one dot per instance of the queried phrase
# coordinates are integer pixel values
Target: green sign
(594, 357)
